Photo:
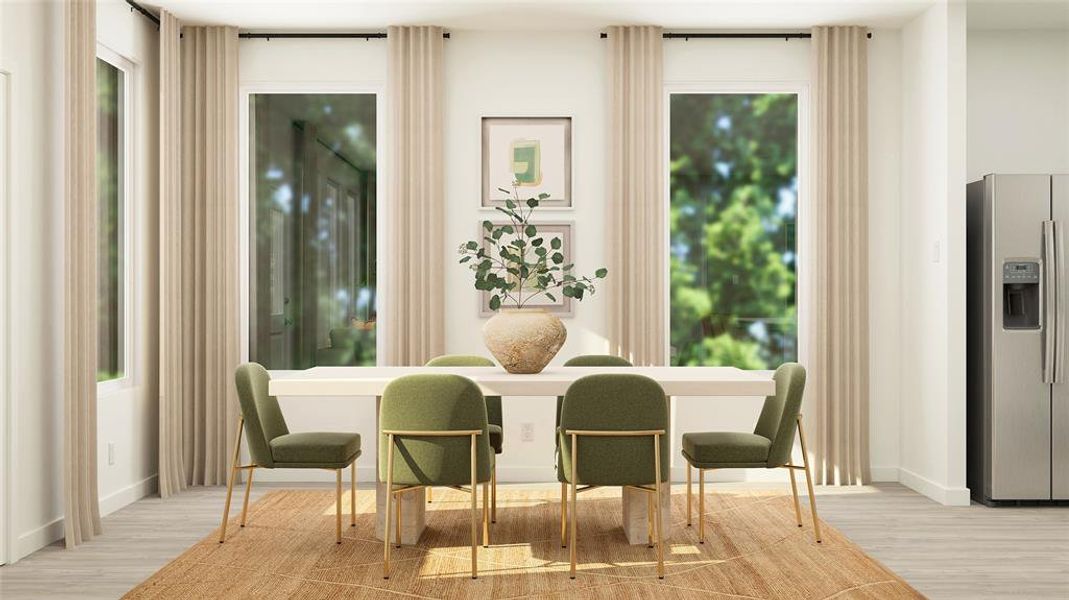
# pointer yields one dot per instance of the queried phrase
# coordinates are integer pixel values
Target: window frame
(382, 211)
(128, 263)
(803, 227)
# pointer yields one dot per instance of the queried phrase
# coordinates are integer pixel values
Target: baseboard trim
(944, 495)
(128, 495)
(34, 540)
(884, 474)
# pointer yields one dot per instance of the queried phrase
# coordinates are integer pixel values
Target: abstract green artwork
(527, 162)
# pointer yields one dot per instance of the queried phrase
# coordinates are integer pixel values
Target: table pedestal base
(636, 514)
(413, 513)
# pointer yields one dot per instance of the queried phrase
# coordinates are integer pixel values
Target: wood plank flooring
(945, 552)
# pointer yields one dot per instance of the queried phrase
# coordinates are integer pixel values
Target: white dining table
(370, 382)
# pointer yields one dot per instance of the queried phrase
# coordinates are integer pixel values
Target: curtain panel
(636, 236)
(81, 520)
(415, 319)
(837, 340)
(199, 308)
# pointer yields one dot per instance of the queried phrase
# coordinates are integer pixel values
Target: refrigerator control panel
(1020, 272)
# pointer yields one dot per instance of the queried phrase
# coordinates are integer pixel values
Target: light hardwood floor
(945, 552)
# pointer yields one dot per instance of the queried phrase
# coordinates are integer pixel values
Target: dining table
(364, 383)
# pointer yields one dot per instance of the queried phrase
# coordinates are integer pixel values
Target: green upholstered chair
(614, 432)
(433, 432)
(493, 416)
(768, 447)
(272, 446)
(583, 360)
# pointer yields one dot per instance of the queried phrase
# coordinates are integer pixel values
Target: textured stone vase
(524, 340)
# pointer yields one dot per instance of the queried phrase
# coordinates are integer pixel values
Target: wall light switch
(527, 432)
(111, 453)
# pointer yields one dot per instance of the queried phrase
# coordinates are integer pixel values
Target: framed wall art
(532, 153)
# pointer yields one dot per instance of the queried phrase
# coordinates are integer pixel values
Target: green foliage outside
(733, 186)
(109, 224)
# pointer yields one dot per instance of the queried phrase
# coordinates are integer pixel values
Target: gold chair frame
(473, 490)
(493, 493)
(653, 514)
(251, 468)
(791, 468)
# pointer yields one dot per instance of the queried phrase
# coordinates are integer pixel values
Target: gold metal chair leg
(245, 502)
(337, 505)
(474, 515)
(809, 481)
(794, 492)
(574, 508)
(563, 515)
(649, 520)
(230, 482)
(657, 499)
(688, 494)
(397, 524)
(486, 514)
(352, 496)
(430, 494)
(493, 494)
(701, 506)
(389, 497)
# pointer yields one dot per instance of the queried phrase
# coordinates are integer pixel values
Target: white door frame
(5, 331)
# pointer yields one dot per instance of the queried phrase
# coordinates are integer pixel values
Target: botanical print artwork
(530, 153)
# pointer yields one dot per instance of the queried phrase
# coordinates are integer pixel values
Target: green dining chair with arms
(583, 360)
(769, 446)
(272, 446)
(493, 415)
(614, 432)
(433, 432)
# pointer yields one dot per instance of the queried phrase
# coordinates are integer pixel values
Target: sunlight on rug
(753, 549)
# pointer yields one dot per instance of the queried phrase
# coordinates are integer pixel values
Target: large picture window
(733, 207)
(111, 169)
(312, 201)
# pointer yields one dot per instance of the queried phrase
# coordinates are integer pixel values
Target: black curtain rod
(736, 35)
(378, 35)
(144, 11)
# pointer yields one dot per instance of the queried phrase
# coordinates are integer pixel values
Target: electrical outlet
(527, 432)
(111, 453)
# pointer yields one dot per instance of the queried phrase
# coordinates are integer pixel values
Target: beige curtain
(81, 504)
(636, 235)
(415, 252)
(172, 476)
(199, 256)
(837, 328)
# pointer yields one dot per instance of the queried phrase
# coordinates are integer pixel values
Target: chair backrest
(434, 403)
(780, 413)
(263, 417)
(493, 403)
(591, 360)
(615, 402)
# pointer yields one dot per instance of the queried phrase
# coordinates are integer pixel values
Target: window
(111, 191)
(312, 229)
(733, 203)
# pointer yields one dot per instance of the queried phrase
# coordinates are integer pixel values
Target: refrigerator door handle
(1058, 286)
(1050, 309)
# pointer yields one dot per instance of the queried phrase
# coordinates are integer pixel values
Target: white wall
(1018, 102)
(31, 52)
(932, 221)
(128, 417)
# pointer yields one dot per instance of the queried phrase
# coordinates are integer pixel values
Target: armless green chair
(768, 447)
(272, 446)
(614, 432)
(433, 432)
(493, 416)
(584, 360)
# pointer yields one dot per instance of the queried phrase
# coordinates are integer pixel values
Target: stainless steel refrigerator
(1017, 312)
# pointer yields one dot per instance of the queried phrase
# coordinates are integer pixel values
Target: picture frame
(565, 230)
(536, 151)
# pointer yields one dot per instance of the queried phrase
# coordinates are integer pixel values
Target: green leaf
(487, 225)
(551, 297)
(472, 245)
(578, 294)
(501, 189)
(495, 302)
(510, 204)
(508, 229)
(532, 203)
(568, 291)
(601, 273)
(557, 258)
(536, 242)
(569, 266)
(555, 243)
(541, 251)
(465, 259)
(543, 196)
(530, 231)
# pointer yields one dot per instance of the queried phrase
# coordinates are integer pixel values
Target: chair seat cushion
(316, 449)
(724, 448)
(497, 437)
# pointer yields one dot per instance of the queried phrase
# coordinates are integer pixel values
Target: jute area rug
(753, 549)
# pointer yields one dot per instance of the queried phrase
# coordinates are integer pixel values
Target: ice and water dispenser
(1020, 295)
